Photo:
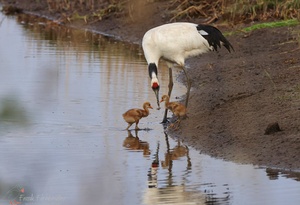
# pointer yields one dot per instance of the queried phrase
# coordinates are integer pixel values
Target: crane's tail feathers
(227, 45)
(214, 37)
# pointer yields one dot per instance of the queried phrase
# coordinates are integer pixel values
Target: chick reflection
(170, 192)
(173, 154)
(134, 143)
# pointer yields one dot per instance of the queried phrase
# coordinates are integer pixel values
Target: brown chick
(134, 115)
(176, 108)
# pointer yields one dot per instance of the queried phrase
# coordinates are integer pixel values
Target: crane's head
(155, 88)
(154, 81)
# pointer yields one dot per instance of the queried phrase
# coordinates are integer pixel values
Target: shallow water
(64, 140)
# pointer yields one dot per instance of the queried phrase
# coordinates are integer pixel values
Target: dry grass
(87, 10)
(234, 10)
(231, 11)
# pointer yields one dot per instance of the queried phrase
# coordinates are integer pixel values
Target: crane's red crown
(155, 85)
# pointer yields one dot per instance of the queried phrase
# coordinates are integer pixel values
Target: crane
(175, 42)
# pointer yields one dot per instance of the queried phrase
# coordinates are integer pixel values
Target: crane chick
(135, 114)
(176, 108)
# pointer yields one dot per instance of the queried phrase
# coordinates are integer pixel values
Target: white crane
(175, 42)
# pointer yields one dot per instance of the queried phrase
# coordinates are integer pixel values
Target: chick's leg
(136, 125)
(129, 124)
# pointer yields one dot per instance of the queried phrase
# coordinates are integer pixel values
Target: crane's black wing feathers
(214, 37)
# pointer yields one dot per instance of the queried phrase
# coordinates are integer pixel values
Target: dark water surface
(64, 140)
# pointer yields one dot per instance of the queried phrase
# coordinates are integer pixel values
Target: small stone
(272, 128)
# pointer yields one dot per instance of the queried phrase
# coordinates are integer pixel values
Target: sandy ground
(235, 96)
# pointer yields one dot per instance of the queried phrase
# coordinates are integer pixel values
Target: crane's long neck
(152, 68)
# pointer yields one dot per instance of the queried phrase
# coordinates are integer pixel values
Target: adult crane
(175, 42)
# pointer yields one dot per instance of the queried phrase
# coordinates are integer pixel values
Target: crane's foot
(164, 121)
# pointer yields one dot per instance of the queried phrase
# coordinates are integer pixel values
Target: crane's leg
(188, 86)
(170, 82)
(169, 93)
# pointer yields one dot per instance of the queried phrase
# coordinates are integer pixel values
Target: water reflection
(169, 191)
(66, 38)
(174, 154)
(135, 144)
(275, 174)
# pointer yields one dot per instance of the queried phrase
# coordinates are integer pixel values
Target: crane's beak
(156, 91)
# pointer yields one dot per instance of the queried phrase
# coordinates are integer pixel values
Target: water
(65, 142)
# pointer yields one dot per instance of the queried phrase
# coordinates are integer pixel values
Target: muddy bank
(235, 96)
